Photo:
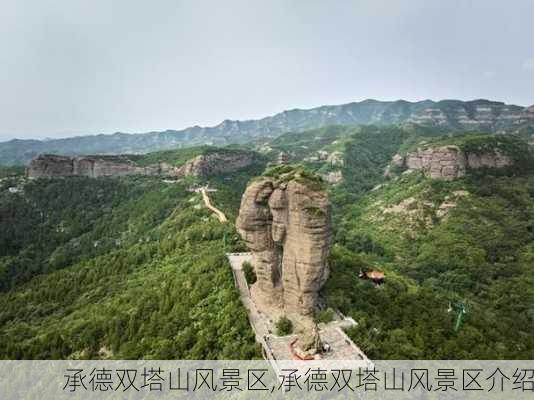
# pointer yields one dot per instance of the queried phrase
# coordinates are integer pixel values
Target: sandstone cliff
(445, 162)
(450, 162)
(216, 163)
(49, 166)
(286, 224)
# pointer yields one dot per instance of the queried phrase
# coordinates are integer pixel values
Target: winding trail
(216, 211)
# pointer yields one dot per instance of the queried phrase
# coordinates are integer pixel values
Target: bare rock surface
(333, 177)
(55, 166)
(488, 160)
(287, 227)
(336, 158)
(450, 162)
(445, 162)
(215, 163)
(49, 166)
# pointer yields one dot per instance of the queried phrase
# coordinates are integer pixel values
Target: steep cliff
(203, 165)
(216, 163)
(286, 222)
(446, 162)
(48, 166)
(451, 161)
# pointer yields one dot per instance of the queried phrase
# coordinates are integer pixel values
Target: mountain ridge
(491, 116)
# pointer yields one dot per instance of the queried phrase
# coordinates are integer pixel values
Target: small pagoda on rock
(378, 277)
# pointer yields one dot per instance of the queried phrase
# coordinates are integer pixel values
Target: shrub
(324, 316)
(284, 326)
(250, 274)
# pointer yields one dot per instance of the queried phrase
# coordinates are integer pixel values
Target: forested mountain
(134, 267)
(441, 244)
(484, 115)
(129, 267)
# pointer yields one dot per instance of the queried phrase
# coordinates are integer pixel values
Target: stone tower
(286, 223)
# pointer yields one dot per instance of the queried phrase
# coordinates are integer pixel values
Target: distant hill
(482, 115)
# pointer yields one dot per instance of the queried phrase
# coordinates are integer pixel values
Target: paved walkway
(277, 347)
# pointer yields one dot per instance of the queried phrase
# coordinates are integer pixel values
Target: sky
(73, 67)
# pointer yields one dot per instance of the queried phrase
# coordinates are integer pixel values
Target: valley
(132, 266)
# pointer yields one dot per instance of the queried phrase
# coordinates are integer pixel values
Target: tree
(284, 326)
(250, 274)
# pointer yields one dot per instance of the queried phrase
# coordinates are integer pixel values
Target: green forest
(123, 268)
(479, 254)
(134, 267)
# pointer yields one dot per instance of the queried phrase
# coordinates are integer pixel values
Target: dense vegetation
(179, 157)
(99, 267)
(478, 252)
(440, 243)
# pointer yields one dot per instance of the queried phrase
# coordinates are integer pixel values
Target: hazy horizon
(70, 68)
(73, 135)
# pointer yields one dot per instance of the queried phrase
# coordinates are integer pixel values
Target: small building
(13, 189)
(378, 277)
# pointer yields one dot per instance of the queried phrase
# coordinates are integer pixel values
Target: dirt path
(215, 210)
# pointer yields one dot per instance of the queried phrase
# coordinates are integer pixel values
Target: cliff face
(450, 162)
(49, 166)
(215, 163)
(287, 227)
(494, 116)
(446, 162)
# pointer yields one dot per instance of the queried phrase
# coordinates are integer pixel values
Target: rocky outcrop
(333, 177)
(449, 162)
(488, 160)
(478, 114)
(55, 166)
(336, 158)
(49, 166)
(444, 162)
(215, 163)
(287, 227)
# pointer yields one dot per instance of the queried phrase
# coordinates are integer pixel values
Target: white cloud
(529, 64)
